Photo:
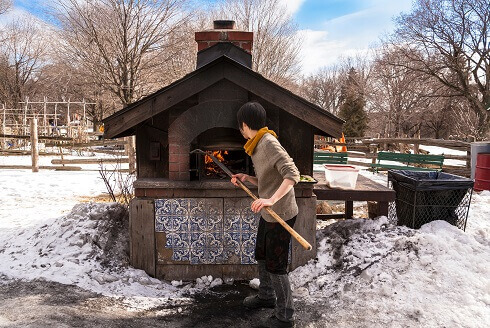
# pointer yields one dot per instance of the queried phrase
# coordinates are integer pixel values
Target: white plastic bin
(341, 176)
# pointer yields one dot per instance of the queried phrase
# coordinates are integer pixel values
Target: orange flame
(210, 167)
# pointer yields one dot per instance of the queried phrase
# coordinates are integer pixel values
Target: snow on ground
(368, 272)
(432, 277)
(29, 199)
(437, 276)
(45, 232)
(47, 193)
(87, 248)
(434, 150)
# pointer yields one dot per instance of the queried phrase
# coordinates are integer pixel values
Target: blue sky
(329, 28)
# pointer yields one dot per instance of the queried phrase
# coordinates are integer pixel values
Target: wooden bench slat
(320, 157)
(409, 160)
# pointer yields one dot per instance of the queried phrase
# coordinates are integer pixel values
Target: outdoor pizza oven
(187, 220)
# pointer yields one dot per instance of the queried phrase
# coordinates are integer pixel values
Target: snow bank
(436, 276)
(88, 248)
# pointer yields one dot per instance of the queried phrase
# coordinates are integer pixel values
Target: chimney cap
(224, 24)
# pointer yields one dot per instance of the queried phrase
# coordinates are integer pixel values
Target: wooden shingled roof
(123, 122)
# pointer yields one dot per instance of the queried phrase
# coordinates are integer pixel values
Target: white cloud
(349, 34)
(293, 5)
(14, 14)
(320, 50)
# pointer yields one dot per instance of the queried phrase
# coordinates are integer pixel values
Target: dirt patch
(43, 304)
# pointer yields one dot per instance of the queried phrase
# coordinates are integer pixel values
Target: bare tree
(64, 80)
(23, 53)
(323, 88)
(449, 41)
(126, 44)
(440, 119)
(399, 92)
(276, 40)
(5, 5)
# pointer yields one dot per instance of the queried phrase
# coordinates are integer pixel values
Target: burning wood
(210, 168)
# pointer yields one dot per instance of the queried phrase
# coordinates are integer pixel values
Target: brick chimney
(224, 31)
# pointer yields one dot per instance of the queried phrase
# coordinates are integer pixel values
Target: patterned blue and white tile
(171, 215)
(208, 230)
(247, 249)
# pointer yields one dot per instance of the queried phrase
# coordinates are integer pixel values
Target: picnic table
(366, 190)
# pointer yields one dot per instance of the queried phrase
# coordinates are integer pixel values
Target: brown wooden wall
(297, 138)
(306, 226)
(154, 131)
(142, 235)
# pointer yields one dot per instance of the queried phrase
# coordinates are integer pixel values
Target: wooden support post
(402, 145)
(55, 128)
(45, 122)
(131, 154)
(79, 133)
(2, 141)
(373, 148)
(468, 151)
(84, 115)
(68, 131)
(417, 145)
(24, 121)
(34, 146)
(349, 209)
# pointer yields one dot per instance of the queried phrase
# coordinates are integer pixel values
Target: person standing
(276, 175)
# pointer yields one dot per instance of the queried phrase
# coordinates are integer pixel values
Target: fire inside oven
(227, 146)
(203, 167)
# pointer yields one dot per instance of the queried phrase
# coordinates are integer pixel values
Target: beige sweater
(272, 165)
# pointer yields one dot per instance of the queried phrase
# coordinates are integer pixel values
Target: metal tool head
(198, 151)
(215, 160)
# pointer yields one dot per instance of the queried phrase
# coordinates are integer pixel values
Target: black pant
(272, 245)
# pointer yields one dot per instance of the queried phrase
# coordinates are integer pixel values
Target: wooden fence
(358, 148)
(367, 148)
(65, 146)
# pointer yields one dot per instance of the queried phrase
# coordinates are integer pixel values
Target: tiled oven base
(205, 230)
(186, 238)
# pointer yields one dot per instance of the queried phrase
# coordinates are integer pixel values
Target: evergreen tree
(352, 107)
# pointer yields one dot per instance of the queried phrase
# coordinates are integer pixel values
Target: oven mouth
(226, 144)
(202, 166)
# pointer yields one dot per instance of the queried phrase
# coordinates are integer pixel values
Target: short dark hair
(252, 114)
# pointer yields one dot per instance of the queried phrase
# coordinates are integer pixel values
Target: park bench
(326, 157)
(435, 161)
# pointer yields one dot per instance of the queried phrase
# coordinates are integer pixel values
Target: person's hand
(260, 203)
(241, 176)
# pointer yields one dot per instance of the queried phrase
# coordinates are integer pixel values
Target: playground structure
(56, 118)
(57, 128)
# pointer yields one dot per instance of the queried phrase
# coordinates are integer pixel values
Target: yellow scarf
(252, 143)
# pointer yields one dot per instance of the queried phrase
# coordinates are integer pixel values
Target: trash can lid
(430, 180)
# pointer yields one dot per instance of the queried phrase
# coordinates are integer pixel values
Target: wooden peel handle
(306, 245)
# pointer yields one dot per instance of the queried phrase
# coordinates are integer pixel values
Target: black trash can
(425, 196)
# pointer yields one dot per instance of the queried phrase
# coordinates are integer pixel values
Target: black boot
(255, 302)
(273, 322)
